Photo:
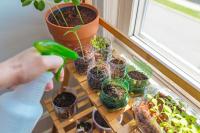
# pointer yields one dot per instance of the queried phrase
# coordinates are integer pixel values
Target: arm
(27, 66)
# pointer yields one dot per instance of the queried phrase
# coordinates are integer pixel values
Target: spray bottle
(21, 109)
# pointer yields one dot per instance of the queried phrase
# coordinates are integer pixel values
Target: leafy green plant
(74, 31)
(171, 115)
(99, 42)
(40, 5)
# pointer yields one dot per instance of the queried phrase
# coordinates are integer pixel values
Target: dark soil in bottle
(114, 91)
(64, 99)
(71, 16)
(137, 75)
(82, 64)
(85, 125)
(96, 76)
(117, 68)
(100, 120)
(117, 61)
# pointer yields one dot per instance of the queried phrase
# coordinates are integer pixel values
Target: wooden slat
(129, 127)
(83, 103)
(109, 116)
(94, 97)
(115, 125)
(49, 107)
(71, 67)
(77, 116)
(86, 87)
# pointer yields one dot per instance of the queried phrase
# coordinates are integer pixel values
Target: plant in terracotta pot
(117, 67)
(86, 55)
(102, 47)
(64, 16)
(138, 76)
(97, 74)
(114, 94)
(65, 105)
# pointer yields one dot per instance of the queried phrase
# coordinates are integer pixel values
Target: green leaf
(26, 2)
(57, 1)
(76, 2)
(67, 0)
(73, 30)
(39, 5)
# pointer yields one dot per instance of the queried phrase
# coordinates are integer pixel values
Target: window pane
(174, 26)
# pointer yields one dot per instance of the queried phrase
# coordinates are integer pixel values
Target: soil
(100, 120)
(82, 63)
(96, 76)
(114, 91)
(64, 99)
(86, 125)
(71, 16)
(117, 68)
(117, 61)
(137, 75)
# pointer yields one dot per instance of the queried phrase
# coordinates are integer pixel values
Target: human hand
(27, 66)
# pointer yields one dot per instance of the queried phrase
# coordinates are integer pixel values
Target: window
(170, 31)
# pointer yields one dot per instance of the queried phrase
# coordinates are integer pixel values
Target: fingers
(62, 75)
(49, 86)
(52, 62)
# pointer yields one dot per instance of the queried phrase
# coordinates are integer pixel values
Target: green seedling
(74, 31)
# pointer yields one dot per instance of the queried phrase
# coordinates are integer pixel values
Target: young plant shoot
(74, 31)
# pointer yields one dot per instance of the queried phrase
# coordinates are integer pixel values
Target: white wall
(19, 27)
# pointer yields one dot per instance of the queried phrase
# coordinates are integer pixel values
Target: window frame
(137, 16)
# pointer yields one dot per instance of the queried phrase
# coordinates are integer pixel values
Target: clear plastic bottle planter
(84, 126)
(83, 63)
(114, 94)
(137, 82)
(162, 111)
(97, 74)
(99, 123)
(104, 54)
(65, 105)
(117, 67)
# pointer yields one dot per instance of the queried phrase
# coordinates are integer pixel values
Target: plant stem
(62, 15)
(51, 3)
(79, 14)
(80, 44)
(54, 15)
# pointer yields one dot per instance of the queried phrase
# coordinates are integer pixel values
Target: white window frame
(143, 40)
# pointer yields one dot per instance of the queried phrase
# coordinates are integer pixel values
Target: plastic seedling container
(114, 94)
(101, 124)
(117, 67)
(103, 49)
(65, 105)
(97, 74)
(86, 58)
(160, 111)
(137, 82)
(84, 127)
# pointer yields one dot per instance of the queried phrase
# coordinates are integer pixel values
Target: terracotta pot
(85, 33)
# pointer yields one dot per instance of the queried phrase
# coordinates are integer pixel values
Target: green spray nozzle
(49, 47)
